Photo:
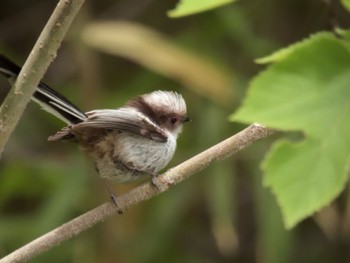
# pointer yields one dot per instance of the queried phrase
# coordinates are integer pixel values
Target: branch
(139, 194)
(43, 52)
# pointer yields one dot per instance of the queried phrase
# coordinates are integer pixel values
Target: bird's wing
(123, 119)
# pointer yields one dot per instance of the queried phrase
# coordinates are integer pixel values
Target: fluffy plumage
(125, 143)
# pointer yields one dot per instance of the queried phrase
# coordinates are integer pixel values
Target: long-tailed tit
(125, 143)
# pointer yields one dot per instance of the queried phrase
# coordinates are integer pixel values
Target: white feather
(59, 104)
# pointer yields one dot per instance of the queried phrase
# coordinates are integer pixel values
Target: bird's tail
(47, 98)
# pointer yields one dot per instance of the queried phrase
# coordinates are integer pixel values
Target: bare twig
(35, 67)
(141, 193)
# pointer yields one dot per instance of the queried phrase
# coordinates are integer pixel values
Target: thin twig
(43, 52)
(139, 194)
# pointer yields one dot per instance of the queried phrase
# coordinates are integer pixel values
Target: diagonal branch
(139, 194)
(43, 52)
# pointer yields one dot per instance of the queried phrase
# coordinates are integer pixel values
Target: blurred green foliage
(220, 215)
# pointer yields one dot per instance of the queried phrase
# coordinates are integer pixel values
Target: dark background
(222, 214)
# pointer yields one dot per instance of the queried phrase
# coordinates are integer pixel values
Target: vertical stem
(43, 52)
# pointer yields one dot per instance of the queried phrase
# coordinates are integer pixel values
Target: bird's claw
(154, 181)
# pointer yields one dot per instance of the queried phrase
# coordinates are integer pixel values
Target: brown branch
(139, 194)
(43, 52)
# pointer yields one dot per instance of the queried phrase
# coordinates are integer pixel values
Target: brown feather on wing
(63, 134)
(123, 119)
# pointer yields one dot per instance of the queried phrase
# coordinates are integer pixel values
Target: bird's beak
(186, 119)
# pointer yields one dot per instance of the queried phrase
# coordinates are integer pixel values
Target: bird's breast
(143, 154)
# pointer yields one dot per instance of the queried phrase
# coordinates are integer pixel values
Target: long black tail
(47, 98)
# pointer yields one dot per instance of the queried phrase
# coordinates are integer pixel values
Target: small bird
(126, 143)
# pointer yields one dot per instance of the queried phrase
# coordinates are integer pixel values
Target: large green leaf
(306, 89)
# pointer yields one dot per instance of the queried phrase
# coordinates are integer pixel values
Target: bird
(125, 143)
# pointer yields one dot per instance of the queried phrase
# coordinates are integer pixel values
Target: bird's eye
(173, 120)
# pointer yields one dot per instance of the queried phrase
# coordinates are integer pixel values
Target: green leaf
(189, 7)
(307, 89)
(281, 54)
(345, 37)
(304, 177)
(346, 4)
